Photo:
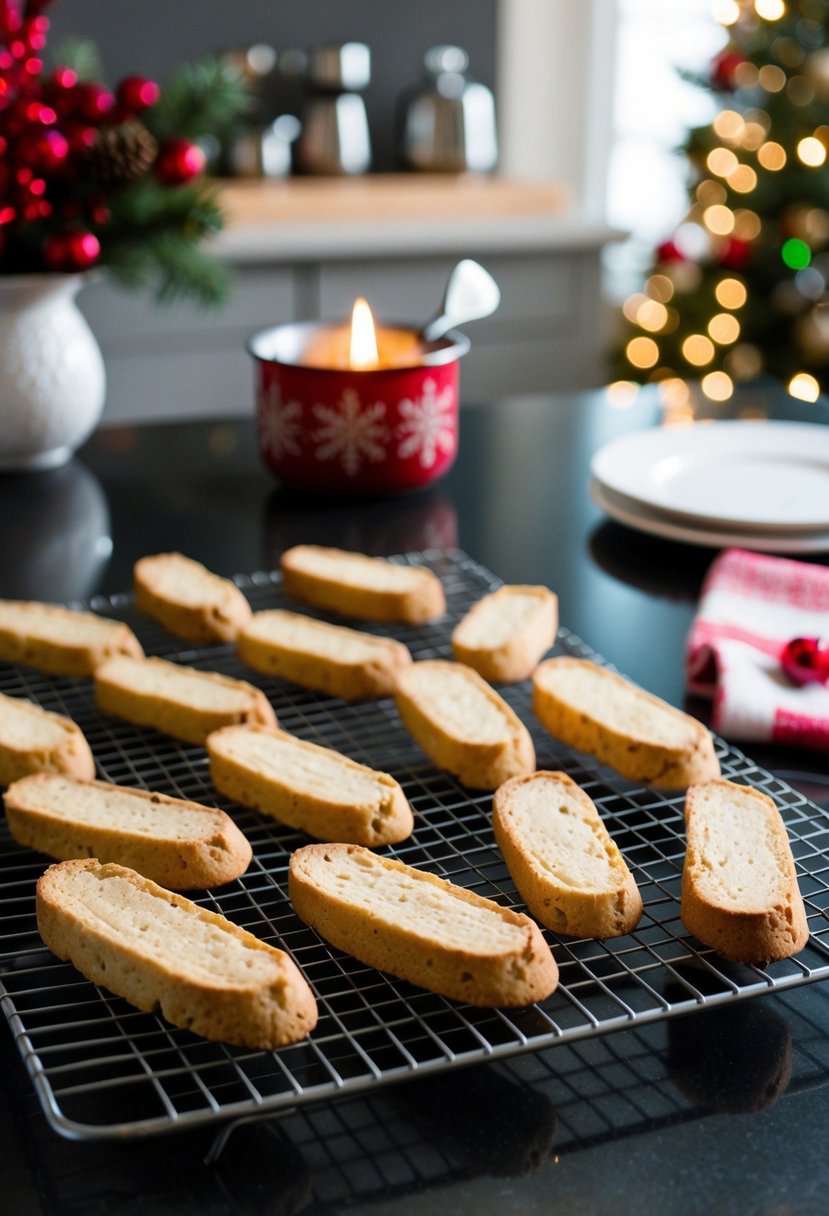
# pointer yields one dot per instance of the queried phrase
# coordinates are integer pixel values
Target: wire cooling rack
(103, 1069)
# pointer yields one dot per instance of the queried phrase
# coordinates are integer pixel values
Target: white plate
(770, 476)
(657, 524)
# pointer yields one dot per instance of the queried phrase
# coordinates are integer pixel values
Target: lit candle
(363, 346)
(354, 406)
(362, 350)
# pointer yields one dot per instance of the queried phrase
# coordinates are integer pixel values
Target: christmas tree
(741, 289)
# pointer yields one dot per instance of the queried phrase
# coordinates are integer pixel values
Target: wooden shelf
(391, 197)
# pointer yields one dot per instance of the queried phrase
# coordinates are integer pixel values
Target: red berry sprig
(49, 125)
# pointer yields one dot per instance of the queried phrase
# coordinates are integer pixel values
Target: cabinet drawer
(123, 320)
(410, 290)
(217, 382)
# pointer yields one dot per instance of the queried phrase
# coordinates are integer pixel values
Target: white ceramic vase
(52, 379)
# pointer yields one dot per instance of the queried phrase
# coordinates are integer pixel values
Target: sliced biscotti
(356, 585)
(61, 641)
(179, 701)
(312, 788)
(421, 928)
(505, 634)
(739, 886)
(161, 952)
(175, 843)
(33, 740)
(640, 736)
(332, 659)
(188, 599)
(563, 861)
(462, 724)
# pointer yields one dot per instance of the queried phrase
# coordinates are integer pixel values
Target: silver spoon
(470, 293)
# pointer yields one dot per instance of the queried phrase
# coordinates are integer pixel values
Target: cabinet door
(180, 360)
(124, 320)
(546, 334)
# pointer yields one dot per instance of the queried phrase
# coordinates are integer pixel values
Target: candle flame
(363, 354)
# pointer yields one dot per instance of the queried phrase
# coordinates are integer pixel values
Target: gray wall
(152, 38)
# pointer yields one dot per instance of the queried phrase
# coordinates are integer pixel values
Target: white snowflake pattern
(350, 432)
(427, 427)
(280, 426)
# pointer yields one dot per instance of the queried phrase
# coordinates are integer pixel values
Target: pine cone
(122, 154)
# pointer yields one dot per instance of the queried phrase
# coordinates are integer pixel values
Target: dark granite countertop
(718, 1111)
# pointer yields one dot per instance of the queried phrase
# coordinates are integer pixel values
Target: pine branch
(150, 208)
(172, 267)
(204, 98)
(81, 55)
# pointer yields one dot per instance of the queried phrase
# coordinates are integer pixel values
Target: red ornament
(137, 93)
(179, 161)
(735, 253)
(44, 150)
(91, 102)
(669, 251)
(723, 68)
(63, 78)
(806, 660)
(71, 252)
(81, 137)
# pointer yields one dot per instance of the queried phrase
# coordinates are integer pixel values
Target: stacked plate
(757, 485)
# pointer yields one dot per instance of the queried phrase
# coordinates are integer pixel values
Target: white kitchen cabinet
(548, 334)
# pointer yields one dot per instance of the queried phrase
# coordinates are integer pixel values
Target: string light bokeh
(741, 288)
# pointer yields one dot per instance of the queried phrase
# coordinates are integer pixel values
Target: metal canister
(335, 133)
(448, 122)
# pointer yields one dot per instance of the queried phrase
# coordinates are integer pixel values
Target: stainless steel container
(335, 135)
(448, 123)
(263, 151)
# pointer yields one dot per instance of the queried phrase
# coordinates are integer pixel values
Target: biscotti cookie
(567, 869)
(739, 886)
(189, 600)
(312, 788)
(421, 928)
(329, 658)
(33, 740)
(356, 585)
(462, 724)
(161, 952)
(179, 701)
(175, 843)
(61, 641)
(505, 634)
(640, 736)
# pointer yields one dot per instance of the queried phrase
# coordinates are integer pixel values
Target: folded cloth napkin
(751, 605)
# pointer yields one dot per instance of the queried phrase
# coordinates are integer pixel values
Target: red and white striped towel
(752, 605)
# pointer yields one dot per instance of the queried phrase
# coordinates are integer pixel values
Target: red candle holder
(343, 430)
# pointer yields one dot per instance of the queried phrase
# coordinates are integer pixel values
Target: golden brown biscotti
(188, 599)
(739, 886)
(420, 927)
(160, 951)
(61, 641)
(356, 585)
(312, 788)
(332, 659)
(642, 737)
(175, 843)
(505, 634)
(563, 861)
(33, 740)
(462, 724)
(179, 701)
